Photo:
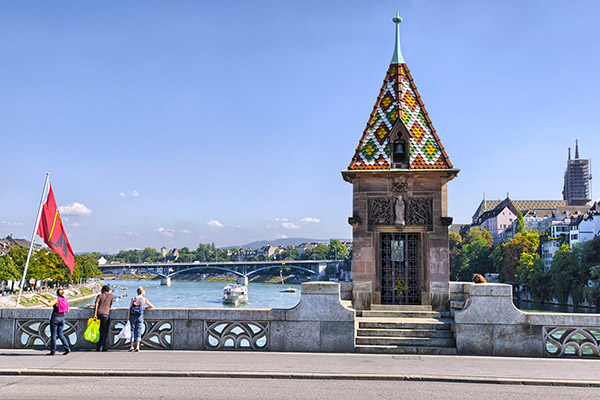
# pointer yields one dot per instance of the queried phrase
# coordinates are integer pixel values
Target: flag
(52, 231)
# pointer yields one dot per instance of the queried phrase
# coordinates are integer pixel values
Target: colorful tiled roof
(399, 102)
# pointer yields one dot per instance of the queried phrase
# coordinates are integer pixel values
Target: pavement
(263, 365)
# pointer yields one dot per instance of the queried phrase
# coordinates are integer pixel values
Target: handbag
(125, 332)
(92, 332)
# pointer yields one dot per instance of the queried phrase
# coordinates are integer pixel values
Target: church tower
(576, 188)
(399, 174)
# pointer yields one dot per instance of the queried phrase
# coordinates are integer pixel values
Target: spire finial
(576, 149)
(397, 57)
(569, 154)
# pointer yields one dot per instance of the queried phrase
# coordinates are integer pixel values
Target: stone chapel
(400, 221)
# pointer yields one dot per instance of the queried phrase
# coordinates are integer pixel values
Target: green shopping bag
(92, 333)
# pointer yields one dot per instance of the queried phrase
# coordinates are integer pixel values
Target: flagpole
(37, 222)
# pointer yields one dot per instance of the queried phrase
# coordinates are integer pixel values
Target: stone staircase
(404, 330)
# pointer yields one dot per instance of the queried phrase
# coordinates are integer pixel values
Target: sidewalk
(230, 364)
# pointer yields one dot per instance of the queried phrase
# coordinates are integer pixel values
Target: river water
(183, 294)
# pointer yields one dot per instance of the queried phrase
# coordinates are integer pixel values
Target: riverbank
(34, 299)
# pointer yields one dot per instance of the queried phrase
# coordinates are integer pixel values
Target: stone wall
(490, 324)
(319, 323)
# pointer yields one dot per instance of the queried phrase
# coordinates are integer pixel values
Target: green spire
(397, 57)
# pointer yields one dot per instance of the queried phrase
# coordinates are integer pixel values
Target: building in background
(576, 189)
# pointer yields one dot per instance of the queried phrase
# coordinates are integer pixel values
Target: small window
(399, 154)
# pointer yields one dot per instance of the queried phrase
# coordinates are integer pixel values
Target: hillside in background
(281, 242)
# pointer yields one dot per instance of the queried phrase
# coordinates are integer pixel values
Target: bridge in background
(167, 270)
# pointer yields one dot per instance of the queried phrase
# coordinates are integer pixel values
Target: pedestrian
(60, 306)
(135, 315)
(102, 307)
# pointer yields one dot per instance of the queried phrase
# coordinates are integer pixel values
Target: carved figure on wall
(380, 210)
(400, 185)
(400, 206)
(419, 211)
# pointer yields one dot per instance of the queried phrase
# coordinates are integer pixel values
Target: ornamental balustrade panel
(561, 341)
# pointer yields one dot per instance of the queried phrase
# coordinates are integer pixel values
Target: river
(184, 294)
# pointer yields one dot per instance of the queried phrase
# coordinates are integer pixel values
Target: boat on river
(235, 294)
(289, 289)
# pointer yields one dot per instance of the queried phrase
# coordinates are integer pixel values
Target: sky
(186, 122)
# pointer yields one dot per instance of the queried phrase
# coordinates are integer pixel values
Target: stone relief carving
(381, 211)
(400, 210)
(236, 335)
(419, 211)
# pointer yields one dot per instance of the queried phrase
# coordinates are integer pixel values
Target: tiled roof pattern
(399, 98)
(521, 205)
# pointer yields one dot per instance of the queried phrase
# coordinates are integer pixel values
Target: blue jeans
(57, 325)
(137, 325)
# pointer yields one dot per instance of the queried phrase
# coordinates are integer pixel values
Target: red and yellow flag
(52, 231)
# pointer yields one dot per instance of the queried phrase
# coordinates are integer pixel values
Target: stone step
(405, 323)
(394, 307)
(406, 350)
(403, 314)
(431, 333)
(404, 341)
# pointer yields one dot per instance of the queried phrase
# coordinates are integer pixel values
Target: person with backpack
(135, 315)
(60, 306)
(102, 307)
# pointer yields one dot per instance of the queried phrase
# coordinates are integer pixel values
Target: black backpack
(136, 308)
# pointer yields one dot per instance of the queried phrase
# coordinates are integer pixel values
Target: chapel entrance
(399, 255)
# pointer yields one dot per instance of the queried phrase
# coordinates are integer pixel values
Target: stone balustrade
(490, 324)
(319, 323)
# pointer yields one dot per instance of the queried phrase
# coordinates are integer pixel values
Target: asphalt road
(80, 388)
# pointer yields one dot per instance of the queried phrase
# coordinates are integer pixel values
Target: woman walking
(135, 315)
(102, 307)
(60, 306)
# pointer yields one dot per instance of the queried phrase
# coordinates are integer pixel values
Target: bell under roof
(399, 103)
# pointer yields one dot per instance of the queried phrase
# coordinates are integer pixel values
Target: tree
(319, 252)
(531, 273)
(337, 251)
(569, 276)
(524, 242)
(520, 224)
(474, 255)
(8, 270)
(289, 254)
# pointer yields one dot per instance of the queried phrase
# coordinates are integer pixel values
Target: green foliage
(531, 273)
(524, 242)
(319, 252)
(520, 225)
(473, 255)
(45, 264)
(337, 251)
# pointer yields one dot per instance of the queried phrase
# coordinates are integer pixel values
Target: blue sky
(175, 123)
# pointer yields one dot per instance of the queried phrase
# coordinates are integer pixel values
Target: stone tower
(399, 174)
(576, 189)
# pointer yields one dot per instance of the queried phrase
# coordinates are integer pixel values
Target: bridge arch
(282, 266)
(201, 267)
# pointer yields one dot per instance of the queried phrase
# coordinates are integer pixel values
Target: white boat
(235, 294)
(289, 289)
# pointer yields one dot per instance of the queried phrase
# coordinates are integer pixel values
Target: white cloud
(310, 220)
(132, 234)
(135, 193)
(165, 232)
(290, 225)
(75, 209)
(74, 224)
(8, 223)
(121, 194)
(215, 223)
(281, 219)
(281, 236)
(185, 231)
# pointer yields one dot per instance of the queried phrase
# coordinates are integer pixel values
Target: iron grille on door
(399, 254)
